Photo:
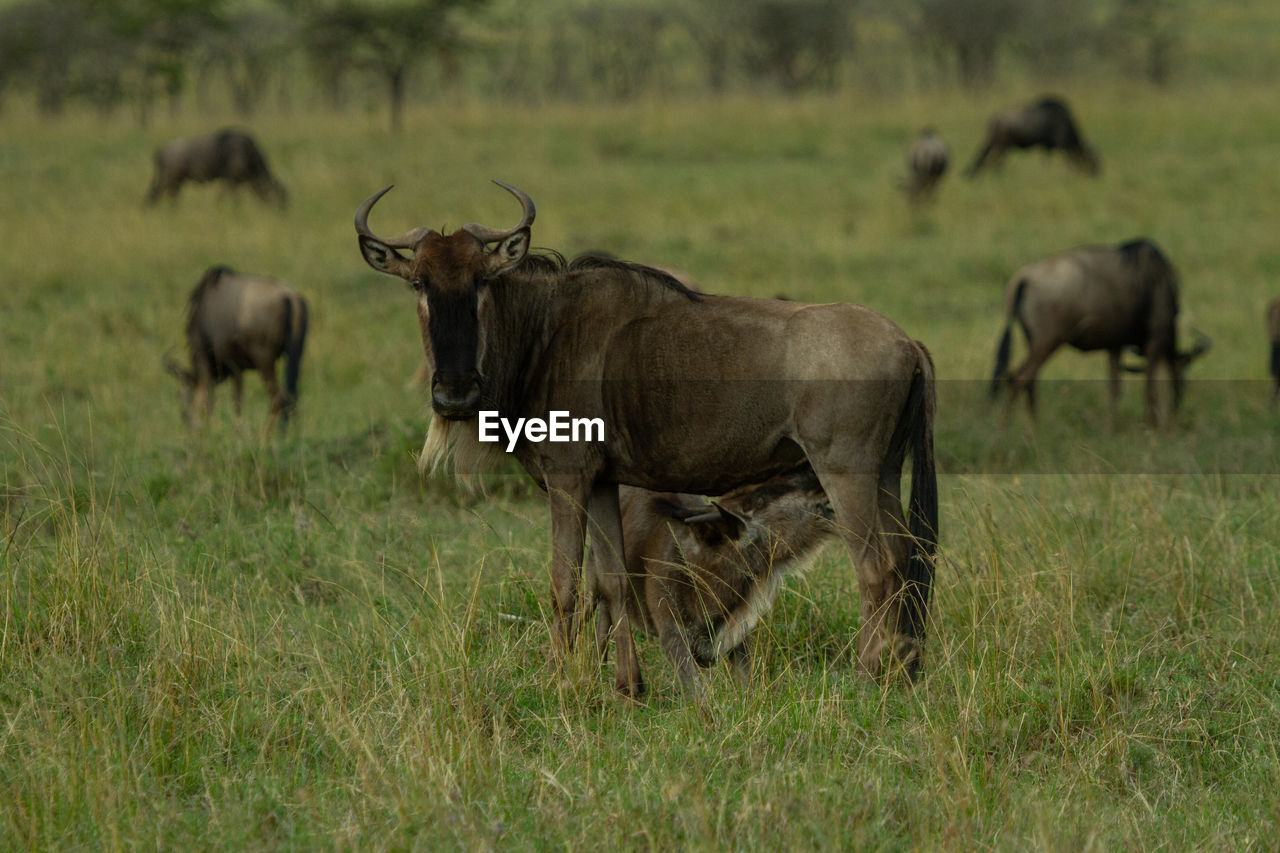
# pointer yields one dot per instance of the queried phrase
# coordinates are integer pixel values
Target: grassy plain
(209, 643)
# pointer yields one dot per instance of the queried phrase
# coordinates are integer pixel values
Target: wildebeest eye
(419, 285)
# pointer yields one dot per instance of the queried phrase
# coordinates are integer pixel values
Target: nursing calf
(702, 575)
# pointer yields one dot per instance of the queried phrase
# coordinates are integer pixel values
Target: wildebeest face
(450, 275)
(187, 381)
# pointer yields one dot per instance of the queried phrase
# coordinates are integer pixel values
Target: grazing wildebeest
(927, 161)
(699, 394)
(703, 575)
(1273, 332)
(239, 322)
(1097, 297)
(1047, 123)
(228, 155)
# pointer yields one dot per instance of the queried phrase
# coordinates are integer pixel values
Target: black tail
(295, 337)
(922, 507)
(1002, 349)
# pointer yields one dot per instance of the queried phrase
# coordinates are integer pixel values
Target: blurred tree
(247, 49)
(800, 44)
(620, 43)
(970, 31)
(1146, 33)
(385, 38)
(716, 28)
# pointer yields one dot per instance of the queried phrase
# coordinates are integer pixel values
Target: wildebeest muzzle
(455, 396)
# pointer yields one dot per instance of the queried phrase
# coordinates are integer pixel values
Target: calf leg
(268, 372)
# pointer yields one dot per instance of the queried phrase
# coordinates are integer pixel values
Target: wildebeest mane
(1145, 256)
(638, 274)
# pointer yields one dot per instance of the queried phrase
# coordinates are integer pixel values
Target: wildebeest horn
(407, 240)
(485, 234)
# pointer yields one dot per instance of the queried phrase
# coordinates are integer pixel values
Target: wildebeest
(703, 575)
(1097, 298)
(1047, 123)
(239, 322)
(1273, 332)
(927, 161)
(699, 394)
(228, 155)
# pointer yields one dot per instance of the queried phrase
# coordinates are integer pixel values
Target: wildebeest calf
(235, 323)
(1273, 331)
(703, 575)
(228, 155)
(927, 162)
(1047, 124)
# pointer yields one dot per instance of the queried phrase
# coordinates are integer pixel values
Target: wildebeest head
(777, 518)
(450, 273)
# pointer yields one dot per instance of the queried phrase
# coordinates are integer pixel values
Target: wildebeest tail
(295, 337)
(922, 506)
(1006, 340)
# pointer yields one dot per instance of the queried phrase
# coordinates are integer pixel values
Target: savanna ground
(207, 642)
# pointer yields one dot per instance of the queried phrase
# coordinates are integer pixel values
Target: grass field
(209, 643)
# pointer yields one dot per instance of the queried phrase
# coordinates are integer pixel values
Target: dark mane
(210, 278)
(638, 273)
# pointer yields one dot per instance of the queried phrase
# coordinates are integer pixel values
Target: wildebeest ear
(383, 258)
(717, 521)
(509, 252)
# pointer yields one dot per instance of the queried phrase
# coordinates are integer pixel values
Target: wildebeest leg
(237, 393)
(981, 159)
(611, 579)
(857, 509)
(567, 497)
(268, 372)
(1113, 382)
(1024, 378)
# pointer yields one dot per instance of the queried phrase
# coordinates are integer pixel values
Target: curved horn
(407, 240)
(485, 234)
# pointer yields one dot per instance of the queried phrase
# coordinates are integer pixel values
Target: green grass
(209, 643)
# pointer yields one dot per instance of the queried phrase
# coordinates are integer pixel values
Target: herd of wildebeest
(798, 417)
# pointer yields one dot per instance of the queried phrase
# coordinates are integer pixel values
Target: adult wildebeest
(703, 575)
(1097, 297)
(1273, 332)
(241, 322)
(698, 393)
(228, 155)
(927, 161)
(1047, 123)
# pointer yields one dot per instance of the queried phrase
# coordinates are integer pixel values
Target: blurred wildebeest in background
(1097, 297)
(235, 323)
(703, 575)
(927, 161)
(228, 155)
(700, 394)
(1273, 332)
(1047, 123)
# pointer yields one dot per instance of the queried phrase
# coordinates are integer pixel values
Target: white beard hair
(471, 457)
